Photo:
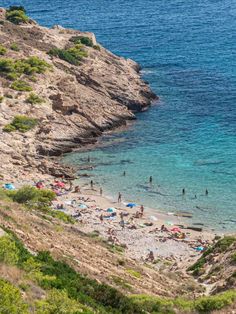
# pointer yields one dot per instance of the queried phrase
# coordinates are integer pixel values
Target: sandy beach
(139, 234)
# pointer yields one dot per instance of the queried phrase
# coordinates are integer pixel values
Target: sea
(187, 140)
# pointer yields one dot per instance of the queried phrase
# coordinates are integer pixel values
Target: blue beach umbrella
(83, 206)
(111, 210)
(131, 205)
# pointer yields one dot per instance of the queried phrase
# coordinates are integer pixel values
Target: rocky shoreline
(80, 102)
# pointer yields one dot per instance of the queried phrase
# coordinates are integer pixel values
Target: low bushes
(32, 196)
(17, 15)
(3, 50)
(11, 300)
(72, 55)
(21, 86)
(14, 69)
(8, 250)
(14, 47)
(21, 123)
(82, 40)
(34, 99)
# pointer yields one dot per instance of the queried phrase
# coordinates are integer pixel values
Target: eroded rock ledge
(80, 102)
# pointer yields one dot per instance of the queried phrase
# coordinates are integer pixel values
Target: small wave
(207, 162)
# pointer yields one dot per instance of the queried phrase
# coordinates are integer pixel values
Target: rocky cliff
(72, 102)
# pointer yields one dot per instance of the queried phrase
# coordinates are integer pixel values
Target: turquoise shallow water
(188, 52)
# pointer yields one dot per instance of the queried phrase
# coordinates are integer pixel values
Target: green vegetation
(121, 283)
(134, 273)
(220, 246)
(169, 306)
(59, 302)
(21, 86)
(14, 47)
(14, 69)
(68, 292)
(62, 216)
(17, 15)
(34, 99)
(21, 123)
(8, 250)
(72, 55)
(82, 40)
(11, 301)
(1, 99)
(3, 50)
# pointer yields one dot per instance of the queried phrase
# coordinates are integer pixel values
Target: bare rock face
(80, 102)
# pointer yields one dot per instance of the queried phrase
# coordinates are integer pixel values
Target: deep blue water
(188, 53)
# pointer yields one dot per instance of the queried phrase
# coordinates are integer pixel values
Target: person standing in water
(150, 180)
(101, 191)
(124, 173)
(89, 158)
(119, 197)
(91, 184)
(206, 192)
(183, 191)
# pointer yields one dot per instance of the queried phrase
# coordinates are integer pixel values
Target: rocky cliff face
(79, 101)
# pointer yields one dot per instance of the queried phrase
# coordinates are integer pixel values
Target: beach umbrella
(60, 184)
(83, 206)
(9, 186)
(111, 210)
(131, 205)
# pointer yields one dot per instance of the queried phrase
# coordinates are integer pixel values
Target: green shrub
(32, 196)
(1, 99)
(64, 55)
(34, 99)
(3, 50)
(21, 123)
(82, 40)
(9, 128)
(72, 55)
(134, 273)
(62, 216)
(11, 301)
(16, 15)
(21, 86)
(216, 302)
(223, 244)
(14, 47)
(59, 302)
(13, 69)
(8, 250)
(16, 8)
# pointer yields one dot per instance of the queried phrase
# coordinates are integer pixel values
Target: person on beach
(122, 223)
(101, 218)
(150, 180)
(206, 192)
(101, 191)
(91, 184)
(150, 257)
(141, 209)
(119, 197)
(77, 189)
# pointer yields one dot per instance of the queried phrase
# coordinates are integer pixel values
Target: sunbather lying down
(81, 198)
